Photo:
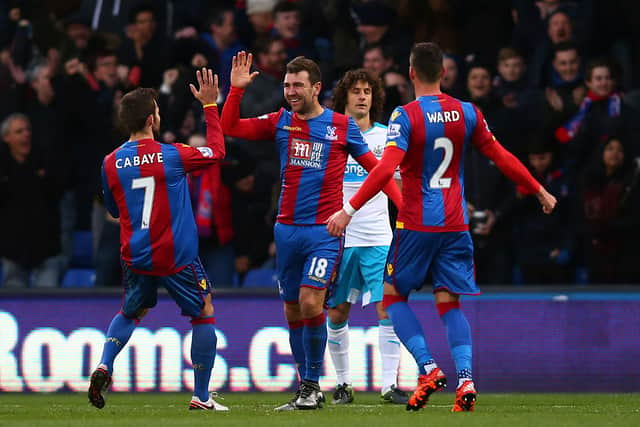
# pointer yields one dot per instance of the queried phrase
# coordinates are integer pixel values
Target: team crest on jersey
(378, 150)
(331, 133)
(389, 269)
(393, 131)
(307, 154)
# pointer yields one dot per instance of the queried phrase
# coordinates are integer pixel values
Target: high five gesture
(241, 75)
(207, 92)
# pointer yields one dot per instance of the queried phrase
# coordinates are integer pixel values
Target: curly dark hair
(352, 77)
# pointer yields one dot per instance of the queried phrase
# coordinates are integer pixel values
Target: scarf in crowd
(568, 131)
(211, 203)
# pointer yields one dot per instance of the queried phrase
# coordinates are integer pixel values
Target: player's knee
(337, 316)
(445, 307)
(388, 300)
(207, 309)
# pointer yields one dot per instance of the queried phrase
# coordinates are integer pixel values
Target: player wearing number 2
(145, 185)
(427, 138)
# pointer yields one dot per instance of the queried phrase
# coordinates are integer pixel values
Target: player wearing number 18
(427, 138)
(145, 185)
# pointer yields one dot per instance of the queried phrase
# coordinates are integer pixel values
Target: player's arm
(381, 175)
(207, 93)
(262, 128)
(109, 201)
(508, 164)
(390, 188)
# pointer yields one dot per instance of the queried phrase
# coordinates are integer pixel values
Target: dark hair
(351, 77)
(285, 6)
(426, 60)
(135, 107)
(144, 7)
(565, 46)
(386, 54)
(300, 63)
(263, 44)
(217, 17)
(595, 63)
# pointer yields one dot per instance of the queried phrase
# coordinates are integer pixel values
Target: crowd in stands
(558, 82)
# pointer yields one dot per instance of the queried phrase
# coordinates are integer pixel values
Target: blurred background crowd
(558, 82)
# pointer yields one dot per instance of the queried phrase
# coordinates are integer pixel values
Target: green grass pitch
(256, 410)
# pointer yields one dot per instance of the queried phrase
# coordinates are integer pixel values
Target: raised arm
(262, 128)
(207, 93)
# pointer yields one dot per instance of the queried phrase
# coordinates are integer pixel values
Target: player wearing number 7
(145, 185)
(427, 138)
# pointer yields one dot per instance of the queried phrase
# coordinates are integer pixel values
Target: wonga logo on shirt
(306, 153)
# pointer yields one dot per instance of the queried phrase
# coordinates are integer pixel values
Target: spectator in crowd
(144, 50)
(260, 13)
(29, 210)
(610, 211)
(75, 40)
(375, 26)
(545, 257)
(376, 59)
(221, 37)
(565, 90)
(452, 82)
(602, 113)
(286, 25)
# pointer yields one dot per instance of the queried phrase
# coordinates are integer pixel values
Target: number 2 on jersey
(147, 183)
(437, 181)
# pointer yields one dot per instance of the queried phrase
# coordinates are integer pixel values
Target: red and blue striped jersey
(434, 131)
(145, 185)
(313, 157)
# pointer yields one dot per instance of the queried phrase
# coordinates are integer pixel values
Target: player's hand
(337, 223)
(207, 92)
(547, 200)
(241, 75)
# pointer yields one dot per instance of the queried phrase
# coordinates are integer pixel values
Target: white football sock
(338, 342)
(390, 351)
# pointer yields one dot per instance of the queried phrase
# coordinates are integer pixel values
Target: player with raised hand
(360, 95)
(427, 138)
(313, 143)
(145, 185)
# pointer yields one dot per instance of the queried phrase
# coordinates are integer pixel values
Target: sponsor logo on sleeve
(206, 151)
(393, 131)
(395, 115)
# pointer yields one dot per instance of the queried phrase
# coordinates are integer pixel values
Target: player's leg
(344, 293)
(319, 272)
(409, 258)
(372, 263)
(140, 295)
(338, 343)
(191, 290)
(289, 264)
(453, 274)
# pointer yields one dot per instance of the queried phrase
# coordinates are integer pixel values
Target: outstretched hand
(207, 92)
(241, 75)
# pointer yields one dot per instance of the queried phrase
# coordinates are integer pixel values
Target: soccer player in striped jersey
(427, 138)
(145, 185)
(360, 95)
(314, 143)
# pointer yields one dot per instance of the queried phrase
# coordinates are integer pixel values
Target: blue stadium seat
(260, 278)
(79, 278)
(82, 252)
